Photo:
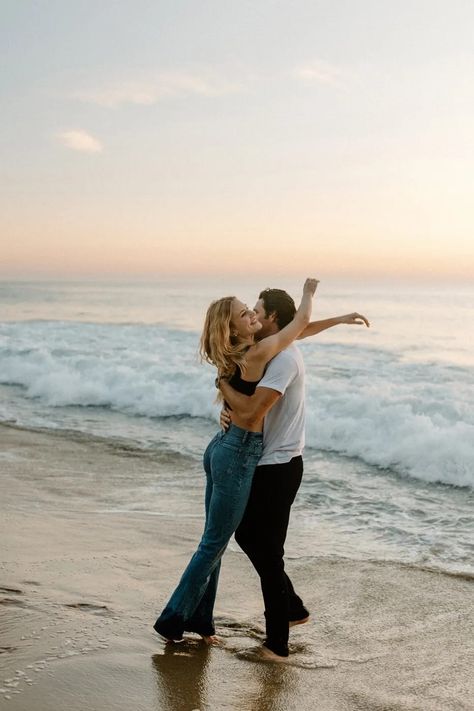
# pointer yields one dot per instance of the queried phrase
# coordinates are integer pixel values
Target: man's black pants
(261, 535)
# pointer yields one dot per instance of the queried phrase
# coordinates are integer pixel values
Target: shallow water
(389, 462)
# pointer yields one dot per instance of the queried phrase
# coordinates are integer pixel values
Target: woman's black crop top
(245, 387)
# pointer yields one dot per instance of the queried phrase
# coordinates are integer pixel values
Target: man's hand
(354, 319)
(225, 419)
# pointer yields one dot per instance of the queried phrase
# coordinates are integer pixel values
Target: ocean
(389, 459)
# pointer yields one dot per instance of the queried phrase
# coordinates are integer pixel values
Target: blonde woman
(228, 342)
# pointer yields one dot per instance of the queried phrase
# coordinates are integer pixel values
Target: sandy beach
(80, 586)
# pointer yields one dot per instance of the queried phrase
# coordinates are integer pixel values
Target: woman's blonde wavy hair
(218, 346)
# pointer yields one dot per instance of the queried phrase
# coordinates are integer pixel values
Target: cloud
(80, 140)
(166, 85)
(319, 72)
(169, 85)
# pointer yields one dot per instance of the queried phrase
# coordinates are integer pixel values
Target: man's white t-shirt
(283, 427)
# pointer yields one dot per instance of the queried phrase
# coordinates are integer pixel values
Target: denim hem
(166, 630)
(207, 632)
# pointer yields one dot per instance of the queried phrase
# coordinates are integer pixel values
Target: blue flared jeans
(229, 462)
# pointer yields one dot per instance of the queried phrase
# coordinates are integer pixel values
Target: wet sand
(80, 587)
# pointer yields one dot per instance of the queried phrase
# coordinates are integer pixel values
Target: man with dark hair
(279, 396)
(280, 303)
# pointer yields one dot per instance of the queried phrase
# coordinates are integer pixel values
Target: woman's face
(243, 321)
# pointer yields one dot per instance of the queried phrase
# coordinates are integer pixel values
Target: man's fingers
(225, 420)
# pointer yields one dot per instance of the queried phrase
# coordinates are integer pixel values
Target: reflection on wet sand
(275, 684)
(181, 676)
(189, 678)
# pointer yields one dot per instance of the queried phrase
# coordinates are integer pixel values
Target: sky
(168, 137)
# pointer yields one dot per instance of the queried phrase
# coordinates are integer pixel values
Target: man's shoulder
(289, 356)
(284, 369)
(290, 353)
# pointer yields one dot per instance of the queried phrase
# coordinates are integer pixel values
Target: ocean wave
(146, 371)
(414, 418)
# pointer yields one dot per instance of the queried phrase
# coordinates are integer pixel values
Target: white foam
(414, 417)
(144, 371)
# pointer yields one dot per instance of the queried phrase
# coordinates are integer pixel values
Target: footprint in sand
(228, 627)
(12, 601)
(90, 607)
(5, 650)
(9, 591)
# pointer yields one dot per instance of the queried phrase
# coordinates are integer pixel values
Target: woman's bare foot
(292, 623)
(270, 656)
(168, 640)
(211, 639)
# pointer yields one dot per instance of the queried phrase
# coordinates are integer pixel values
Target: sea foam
(415, 418)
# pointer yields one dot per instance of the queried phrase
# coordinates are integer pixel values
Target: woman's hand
(354, 319)
(310, 286)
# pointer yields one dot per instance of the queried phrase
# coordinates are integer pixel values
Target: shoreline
(322, 470)
(80, 589)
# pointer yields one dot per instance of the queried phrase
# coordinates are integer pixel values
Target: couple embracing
(253, 465)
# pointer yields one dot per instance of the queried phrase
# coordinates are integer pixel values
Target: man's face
(268, 324)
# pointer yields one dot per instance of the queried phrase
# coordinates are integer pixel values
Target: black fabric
(261, 535)
(246, 387)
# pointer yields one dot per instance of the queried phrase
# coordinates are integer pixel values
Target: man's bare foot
(270, 656)
(211, 639)
(292, 623)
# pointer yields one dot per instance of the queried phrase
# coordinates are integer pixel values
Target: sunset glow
(214, 141)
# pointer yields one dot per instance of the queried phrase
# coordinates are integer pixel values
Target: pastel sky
(164, 136)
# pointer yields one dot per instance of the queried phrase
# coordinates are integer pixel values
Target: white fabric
(283, 427)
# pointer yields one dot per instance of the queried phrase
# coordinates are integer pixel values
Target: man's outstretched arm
(315, 327)
(251, 409)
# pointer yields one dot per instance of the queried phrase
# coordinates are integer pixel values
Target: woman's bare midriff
(245, 425)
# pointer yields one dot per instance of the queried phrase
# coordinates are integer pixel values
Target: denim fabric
(229, 462)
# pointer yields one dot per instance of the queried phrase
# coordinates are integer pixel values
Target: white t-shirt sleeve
(280, 372)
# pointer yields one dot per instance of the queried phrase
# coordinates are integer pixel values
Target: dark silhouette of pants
(261, 535)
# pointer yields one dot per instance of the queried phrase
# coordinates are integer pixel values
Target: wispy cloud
(320, 72)
(166, 85)
(80, 140)
(163, 86)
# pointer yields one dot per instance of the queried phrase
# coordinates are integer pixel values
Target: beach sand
(81, 585)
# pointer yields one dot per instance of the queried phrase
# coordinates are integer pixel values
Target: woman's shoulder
(259, 350)
(255, 352)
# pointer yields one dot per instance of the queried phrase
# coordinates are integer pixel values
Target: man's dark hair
(280, 303)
